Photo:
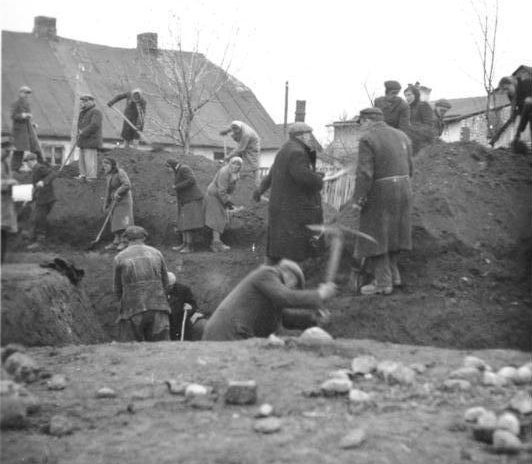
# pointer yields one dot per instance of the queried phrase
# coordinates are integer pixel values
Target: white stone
(493, 379)
(508, 372)
(265, 410)
(268, 425)
(522, 402)
(402, 375)
(418, 368)
(195, 389)
(105, 392)
(17, 392)
(274, 340)
(467, 373)
(523, 375)
(472, 414)
(456, 385)
(487, 420)
(353, 439)
(363, 364)
(384, 368)
(485, 426)
(476, 363)
(506, 442)
(315, 334)
(508, 421)
(340, 374)
(57, 382)
(60, 426)
(336, 386)
(359, 396)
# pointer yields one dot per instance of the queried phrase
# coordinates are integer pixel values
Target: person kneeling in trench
(141, 284)
(258, 305)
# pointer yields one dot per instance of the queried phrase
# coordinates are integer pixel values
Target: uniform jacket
(185, 185)
(295, 201)
(140, 280)
(90, 128)
(24, 138)
(395, 110)
(254, 307)
(9, 217)
(46, 194)
(383, 190)
(134, 111)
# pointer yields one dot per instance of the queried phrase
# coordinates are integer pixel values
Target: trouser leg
(81, 163)
(91, 163)
(156, 327)
(396, 276)
(41, 220)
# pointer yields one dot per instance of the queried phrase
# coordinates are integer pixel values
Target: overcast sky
(327, 50)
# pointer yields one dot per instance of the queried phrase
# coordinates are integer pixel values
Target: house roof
(523, 70)
(49, 67)
(471, 106)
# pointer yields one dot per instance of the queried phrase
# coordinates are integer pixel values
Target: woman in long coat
(421, 130)
(218, 201)
(190, 215)
(118, 196)
(135, 111)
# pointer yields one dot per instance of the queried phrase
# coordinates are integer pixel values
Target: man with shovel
(89, 138)
(134, 114)
(383, 197)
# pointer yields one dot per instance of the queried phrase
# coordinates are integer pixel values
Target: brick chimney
(44, 27)
(147, 42)
(300, 110)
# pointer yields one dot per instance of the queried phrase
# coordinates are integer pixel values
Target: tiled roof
(49, 67)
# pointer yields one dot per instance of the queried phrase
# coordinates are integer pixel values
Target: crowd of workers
(155, 307)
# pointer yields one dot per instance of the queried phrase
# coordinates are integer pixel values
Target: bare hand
(39, 184)
(326, 290)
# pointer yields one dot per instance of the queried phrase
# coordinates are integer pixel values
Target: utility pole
(285, 107)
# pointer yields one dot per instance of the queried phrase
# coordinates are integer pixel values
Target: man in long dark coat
(395, 110)
(519, 92)
(135, 112)
(295, 199)
(383, 194)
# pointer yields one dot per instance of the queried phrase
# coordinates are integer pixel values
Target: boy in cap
(43, 197)
(441, 107)
(89, 138)
(395, 110)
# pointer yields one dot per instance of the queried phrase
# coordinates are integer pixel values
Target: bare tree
(488, 22)
(187, 81)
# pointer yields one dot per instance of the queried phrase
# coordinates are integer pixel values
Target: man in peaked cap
(383, 198)
(256, 307)
(141, 284)
(295, 199)
(248, 148)
(395, 110)
(441, 107)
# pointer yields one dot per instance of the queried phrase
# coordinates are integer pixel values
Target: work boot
(219, 246)
(81, 178)
(186, 249)
(179, 247)
(374, 289)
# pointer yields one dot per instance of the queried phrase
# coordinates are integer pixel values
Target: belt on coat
(393, 178)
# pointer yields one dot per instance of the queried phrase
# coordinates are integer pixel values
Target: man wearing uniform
(383, 196)
(395, 110)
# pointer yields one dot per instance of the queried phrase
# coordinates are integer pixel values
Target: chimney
(424, 93)
(300, 110)
(147, 42)
(44, 27)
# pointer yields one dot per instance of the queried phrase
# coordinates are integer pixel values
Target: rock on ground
(241, 392)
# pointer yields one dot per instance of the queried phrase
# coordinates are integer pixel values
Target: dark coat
(520, 107)
(383, 190)
(185, 185)
(395, 110)
(9, 216)
(24, 138)
(295, 201)
(118, 182)
(421, 130)
(134, 111)
(90, 128)
(46, 194)
(254, 308)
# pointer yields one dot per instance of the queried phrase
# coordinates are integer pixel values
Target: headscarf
(112, 162)
(235, 175)
(415, 91)
(172, 163)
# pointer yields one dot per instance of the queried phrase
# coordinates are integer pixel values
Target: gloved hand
(229, 205)
(256, 195)
(326, 290)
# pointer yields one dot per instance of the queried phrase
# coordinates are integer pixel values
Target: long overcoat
(421, 130)
(384, 191)
(134, 111)
(190, 209)
(9, 217)
(395, 110)
(24, 138)
(218, 195)
(90, 127)
(295, 201)
(123, 213)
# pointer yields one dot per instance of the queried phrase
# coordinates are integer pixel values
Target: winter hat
(299, 128)
(391, 85)
(294, 268)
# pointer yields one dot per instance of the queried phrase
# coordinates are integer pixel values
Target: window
(53, 154)
(219, 155)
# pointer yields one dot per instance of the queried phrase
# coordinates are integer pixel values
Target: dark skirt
(190, 215)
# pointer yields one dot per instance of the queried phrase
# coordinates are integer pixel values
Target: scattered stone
(315, 334)
(353, 439)
(22, 367)
(364, 364)
(418, 368)
(336, 386)
(506, 442)
(401, 375)
(274, 340)
(106, 392)
(195, 389)
(523, 375)
(385, 367)
(522, 402)
(359, 396)
(472, 414)
(456, 385)
(508, 372)
(265, 410)
(476, 363)
(268, 425)
(241, 392)
(10, 389)
(466, 373)
(201, 401)
(57, 382)
(485, 426)
(60, 426)
(175, 387)
(12, 413)
(340, 374)
(9, 349)
(493, 379)
(508, 421)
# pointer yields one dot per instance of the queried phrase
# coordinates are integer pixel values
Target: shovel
(154, 147)
(107, 218)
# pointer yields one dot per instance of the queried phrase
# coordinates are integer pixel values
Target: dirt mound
(42, 307)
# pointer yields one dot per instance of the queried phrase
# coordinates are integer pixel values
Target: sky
(333, 53)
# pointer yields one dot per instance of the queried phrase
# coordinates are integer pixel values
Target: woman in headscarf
(218, 201)
(189, 204)
(421, 130)
(118, 197)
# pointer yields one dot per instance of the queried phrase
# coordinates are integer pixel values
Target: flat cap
(86, 96)
(443, 103)
(25, 89)
(392, 85)
(28, 156)
(372, 111)
(135, 233)
(299, 128)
